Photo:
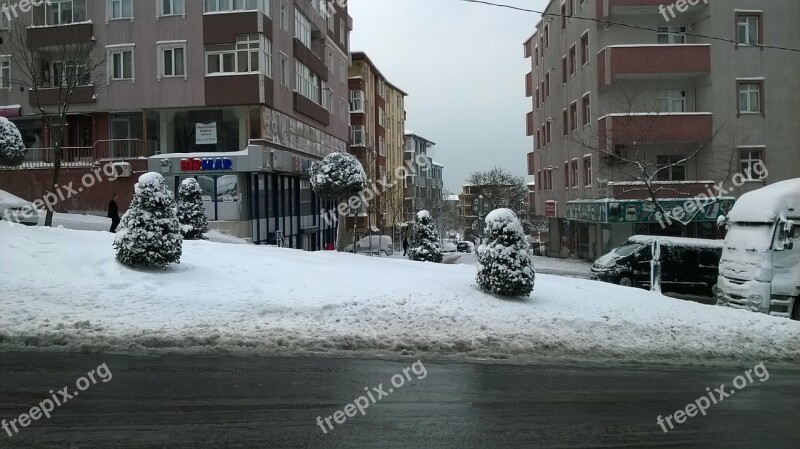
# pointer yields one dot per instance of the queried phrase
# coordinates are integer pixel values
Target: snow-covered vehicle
(465, 247)
(16, 210)
(688, 265)
(375, 244)
(760, 266)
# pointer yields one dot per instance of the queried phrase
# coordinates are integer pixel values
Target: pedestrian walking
(405, 246)
(113, 213)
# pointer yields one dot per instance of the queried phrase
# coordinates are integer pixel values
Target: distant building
(424, 184)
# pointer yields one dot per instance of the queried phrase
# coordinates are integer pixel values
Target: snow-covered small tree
(12, 148)
(338, 177)
(505, 267)
(151, 234)
(191, 212)
(424, 245)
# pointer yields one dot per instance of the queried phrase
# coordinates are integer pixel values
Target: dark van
(687, 265)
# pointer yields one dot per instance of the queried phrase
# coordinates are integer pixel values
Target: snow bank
(65, 291)
(767, 203)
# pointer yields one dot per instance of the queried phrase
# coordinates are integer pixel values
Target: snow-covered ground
(564, 267)
(62, 289)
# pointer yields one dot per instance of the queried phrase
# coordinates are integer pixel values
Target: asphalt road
(236, 402)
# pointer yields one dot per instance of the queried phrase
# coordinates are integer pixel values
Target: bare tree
(52, 74)
(502, 189)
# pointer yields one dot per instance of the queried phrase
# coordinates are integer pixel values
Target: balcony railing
(655, 128)
(652, 62)
(102, 150)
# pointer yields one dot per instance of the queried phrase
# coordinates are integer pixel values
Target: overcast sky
(462, 65)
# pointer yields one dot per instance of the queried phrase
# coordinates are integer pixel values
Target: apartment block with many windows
(260, 83)
(424, 183)
(377, 115)
(694, 110)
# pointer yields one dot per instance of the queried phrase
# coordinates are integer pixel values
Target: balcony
(655, 128)
(60, 35)
(72, 157)
(620, 8)
(529, 128)
(652, 62)
(53, 96)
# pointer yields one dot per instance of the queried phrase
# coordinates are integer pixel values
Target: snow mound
(767, 203)
(65, 291)
(501, 215)
(423, 214)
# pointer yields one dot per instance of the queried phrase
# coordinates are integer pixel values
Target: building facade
(695, 111)
(260, 85)
(377, 115)
(424, 184)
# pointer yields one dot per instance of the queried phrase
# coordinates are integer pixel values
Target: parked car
(760, 266)
(449, 247)
(17, 210)
(465, 247)
(687, 265)
(374, 244)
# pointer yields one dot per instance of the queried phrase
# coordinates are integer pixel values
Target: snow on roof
(678, 241)
(201, 155)
(768, 203)
(452, 198)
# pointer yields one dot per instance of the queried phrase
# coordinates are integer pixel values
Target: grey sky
(463, 67)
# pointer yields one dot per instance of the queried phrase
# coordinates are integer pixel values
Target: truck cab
(760, 265)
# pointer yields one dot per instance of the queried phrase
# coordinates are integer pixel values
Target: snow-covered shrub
(338, 176)
(424, 245)
(505, 267)
(191, 212)
(151, 235)
(12, 148)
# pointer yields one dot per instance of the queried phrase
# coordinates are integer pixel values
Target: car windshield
(628, 249)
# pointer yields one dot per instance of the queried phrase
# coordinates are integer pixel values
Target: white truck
(760, 265)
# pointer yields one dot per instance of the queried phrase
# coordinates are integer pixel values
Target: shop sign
(208, 164)
(206, 133)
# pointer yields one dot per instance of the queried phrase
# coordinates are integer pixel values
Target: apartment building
(424, 183)
(377, 115)
(657, 92)
(243, 95)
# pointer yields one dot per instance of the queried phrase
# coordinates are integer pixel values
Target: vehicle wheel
(383, 254)
(625, 281)
(796, 311)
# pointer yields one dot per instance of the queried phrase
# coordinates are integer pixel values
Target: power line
(627, 25)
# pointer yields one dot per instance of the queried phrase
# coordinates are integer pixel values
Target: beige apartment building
(377, 115)
(662, 94)
(242, 95)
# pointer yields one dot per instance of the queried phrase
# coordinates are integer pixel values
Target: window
(121, 62)
(573, 116)
(302, 28)
(284, 17)
(4, 18)
(359, 135)
(212, 6)
(319, 7)
(587, 171)
(548, 132)
(671, 100)
(547, 84)
(573, 173)
(546, 36)
(5, 72)
(563, 15)
(748, 29)
(566, 175)
(671, 168)
(671, 35)
(248, 55)
(357, 101)
(120, 9)
(173, 59)
(565, 121)
(172, 8)
(573, 59)
(59, 12)
(342, 32)
(380, 117)
(564, 70)
(58, 73)
(307, 82)
(326, 95)
(750, 97)
(587, 110)
(585, 48)
(284, 70)
(751, 162)
(381, 146)
(537, 97)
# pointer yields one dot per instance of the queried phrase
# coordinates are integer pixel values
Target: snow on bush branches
(191, 212)
(12, 148)
(151, 235)
(338, 176)
(424, 245)
(505, 267)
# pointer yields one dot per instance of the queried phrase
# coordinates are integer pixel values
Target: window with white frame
(671, 168)
(381, 120)
(284, 69)
(573, 173)
(59, 12)
(359, 135)
(212, 6)
(121, 62)
(751, 162)
(750, 98)
(342, 32)
(252, 53)
(284, 16)
(172, 59)
(587, 109)
(307, 82)
(381, 146)
(326, 93)
(671, 100)
(318, 6)
(671, 35)
(120, 9)
(747, 29)
(302, 28)
(357, 101)
(61, 74)
(5, 72)
(171, 8)
(587, 171)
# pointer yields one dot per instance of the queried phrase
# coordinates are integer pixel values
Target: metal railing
(113, 149)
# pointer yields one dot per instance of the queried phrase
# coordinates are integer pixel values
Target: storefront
(594, 227)
(260, 193)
